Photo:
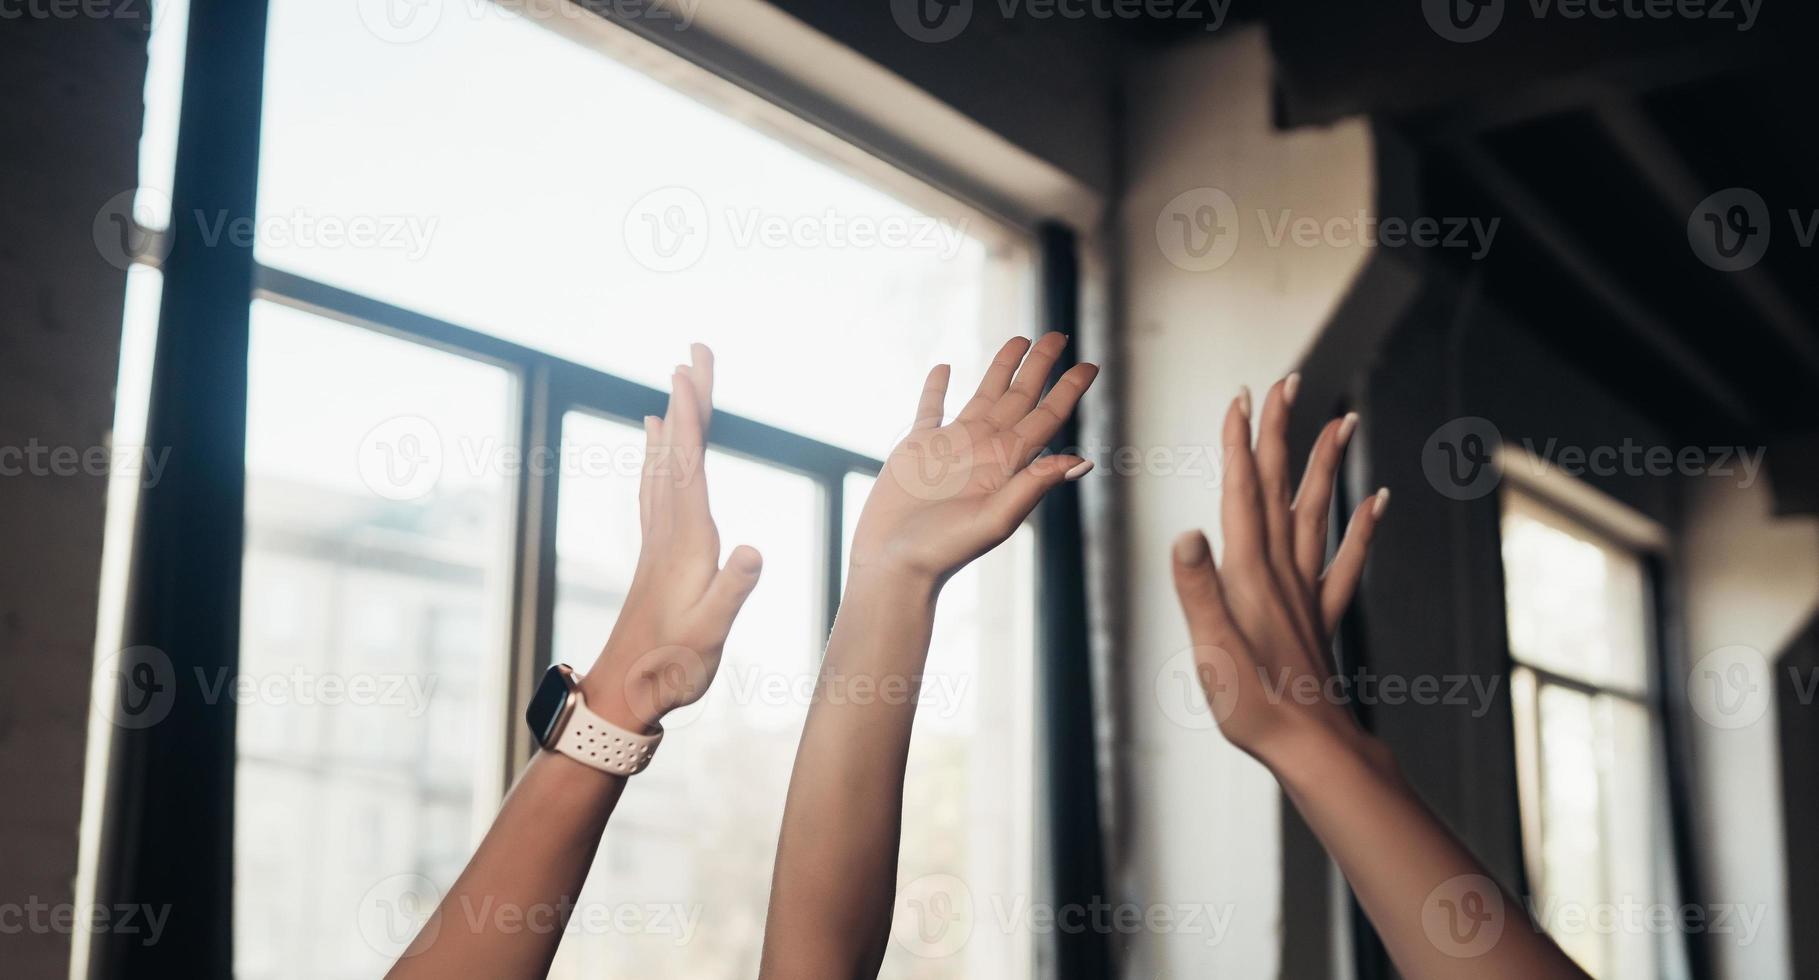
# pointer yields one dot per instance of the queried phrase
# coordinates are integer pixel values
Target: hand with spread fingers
(1263, 622)
(951, 492)
(1262, 619)
(665, 648)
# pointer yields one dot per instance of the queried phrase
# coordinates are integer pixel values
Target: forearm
(505, 914)
(1436, 909)
(832, 894)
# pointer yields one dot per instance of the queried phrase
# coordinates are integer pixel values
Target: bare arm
(1261, 623)
(949, 494)
(504, 917)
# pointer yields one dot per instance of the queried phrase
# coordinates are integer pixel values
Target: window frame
(548, 388)
(1650, 544)
(184, 591)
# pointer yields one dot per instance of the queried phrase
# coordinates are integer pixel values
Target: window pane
(502, 175)
(688, 858)
(1572, 818)
(1576, 603)
(967, 811)
(373, 637)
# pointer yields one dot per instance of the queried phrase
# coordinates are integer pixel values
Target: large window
(1588, 735)
(482, 243)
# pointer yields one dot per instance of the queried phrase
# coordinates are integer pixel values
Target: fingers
(1240, 507)
(932, 407)
(701, 375)
(1341, 579)
(1202, 595)
(1272, 466)
(1011, 503)
(730, 587)
(1313, 502)
(1047, 418)
(648, 486)
(1031, 378)
(997, 378)
(682, 422)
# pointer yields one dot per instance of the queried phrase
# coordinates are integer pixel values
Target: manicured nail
(1290, 385)
(1381, 503)
(1080, 469)
(1191, 549)
(1346, 425)
(1244, 400)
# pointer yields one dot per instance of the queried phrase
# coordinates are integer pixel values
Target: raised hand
(951, 492)
(1262, 623)
(665, 648)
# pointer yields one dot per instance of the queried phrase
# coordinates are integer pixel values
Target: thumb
(1014, 501)
(727, 593)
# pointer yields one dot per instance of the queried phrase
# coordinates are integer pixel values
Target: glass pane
(1573, 821)
(373, 637)
(688, 857)
(1576, 602)
(507, 175)
(967, 814)
(1630, 765)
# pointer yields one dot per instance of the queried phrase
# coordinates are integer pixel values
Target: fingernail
(1191, 549)
(1244, 400)
(1381, 503)
(1346, 425)
(1290, 385)
(1080, 469)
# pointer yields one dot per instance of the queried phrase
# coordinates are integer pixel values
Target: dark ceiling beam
(1664, 169)
(1608, 81)
(1584, 265)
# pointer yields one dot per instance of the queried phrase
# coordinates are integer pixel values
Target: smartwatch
(561, 722)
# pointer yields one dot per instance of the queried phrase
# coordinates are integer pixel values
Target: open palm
(951, 492)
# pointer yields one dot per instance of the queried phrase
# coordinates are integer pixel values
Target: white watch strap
(593, 741)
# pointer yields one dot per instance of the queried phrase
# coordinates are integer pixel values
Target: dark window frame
(174, 782)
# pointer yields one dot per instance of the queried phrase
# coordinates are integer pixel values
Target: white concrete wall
(1202, 817)
(1752, 581)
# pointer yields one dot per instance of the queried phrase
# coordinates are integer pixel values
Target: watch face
(549, 706)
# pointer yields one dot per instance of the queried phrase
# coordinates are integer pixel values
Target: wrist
(898, 580)
(614, 697)
(1308, 759)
